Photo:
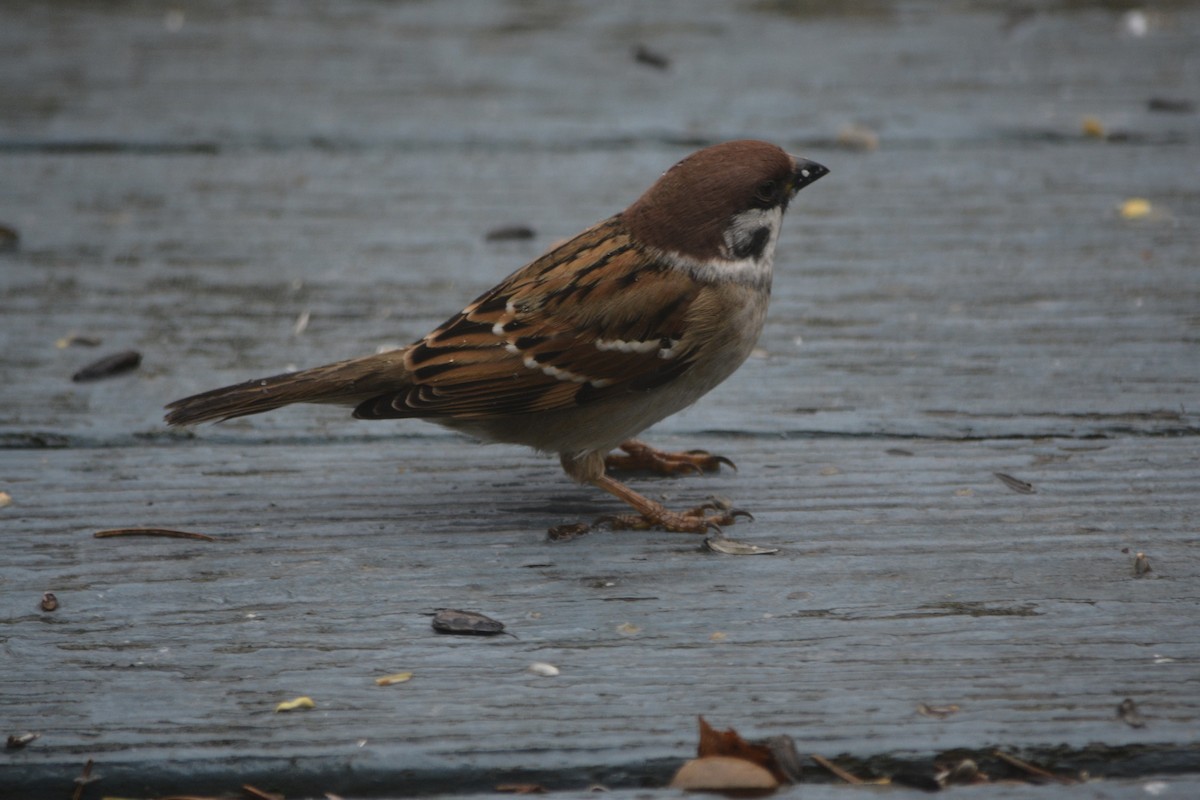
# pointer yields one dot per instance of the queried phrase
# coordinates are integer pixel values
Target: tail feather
(344, 383)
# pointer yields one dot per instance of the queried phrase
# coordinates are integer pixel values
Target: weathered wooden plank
(1022, 293)
(902, 581)
(983, 343)
(963, 301)
(455, 75)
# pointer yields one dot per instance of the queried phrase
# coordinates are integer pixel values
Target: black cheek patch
(752, 246)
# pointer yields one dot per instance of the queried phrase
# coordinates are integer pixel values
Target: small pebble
(858, 137)
(1128, 713)
(644, 55)
(470, 623)
(9, 239)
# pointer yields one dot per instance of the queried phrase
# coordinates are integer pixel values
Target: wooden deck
(235, 189)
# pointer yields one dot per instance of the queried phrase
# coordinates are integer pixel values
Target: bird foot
(641, 457)
(695, 520)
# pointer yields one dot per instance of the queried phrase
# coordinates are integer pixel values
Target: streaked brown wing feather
(522, 348)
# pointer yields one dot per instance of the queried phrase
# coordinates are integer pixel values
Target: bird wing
(592, 318)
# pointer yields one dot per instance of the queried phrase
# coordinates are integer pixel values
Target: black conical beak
(807, 172)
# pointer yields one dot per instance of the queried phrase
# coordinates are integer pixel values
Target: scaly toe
(625, 522)
(671, 522)
(641, 457)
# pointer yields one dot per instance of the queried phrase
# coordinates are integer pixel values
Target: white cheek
(752, 270)
(748, 225)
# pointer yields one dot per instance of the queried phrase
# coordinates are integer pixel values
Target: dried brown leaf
(730, 743)
(723, 774)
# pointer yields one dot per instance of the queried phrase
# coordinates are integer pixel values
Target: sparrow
(580, 350)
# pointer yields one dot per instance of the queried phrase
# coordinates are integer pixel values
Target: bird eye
(766, 191)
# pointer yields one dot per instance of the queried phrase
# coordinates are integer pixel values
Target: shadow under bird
(582, 349)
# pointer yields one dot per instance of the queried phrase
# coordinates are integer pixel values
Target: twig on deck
(1025, 766)
(165, 532)
(835, 769)
(83, 780)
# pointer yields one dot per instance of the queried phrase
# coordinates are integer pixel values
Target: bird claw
(725, 517)
(728, 514)
(639, 457)
(711, 463)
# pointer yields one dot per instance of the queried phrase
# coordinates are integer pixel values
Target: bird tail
(343, 383)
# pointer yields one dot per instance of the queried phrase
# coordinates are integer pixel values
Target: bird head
(722, 203)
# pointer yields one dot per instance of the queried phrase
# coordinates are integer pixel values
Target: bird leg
(588, 467)
(639, 456)
(655, 515)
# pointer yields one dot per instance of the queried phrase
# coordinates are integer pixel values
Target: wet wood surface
(234, 190)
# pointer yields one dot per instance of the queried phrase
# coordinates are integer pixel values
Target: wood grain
(963, 301)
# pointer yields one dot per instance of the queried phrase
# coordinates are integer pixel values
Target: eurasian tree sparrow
(582, 349)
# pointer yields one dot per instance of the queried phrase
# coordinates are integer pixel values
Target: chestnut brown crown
(688, 210)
